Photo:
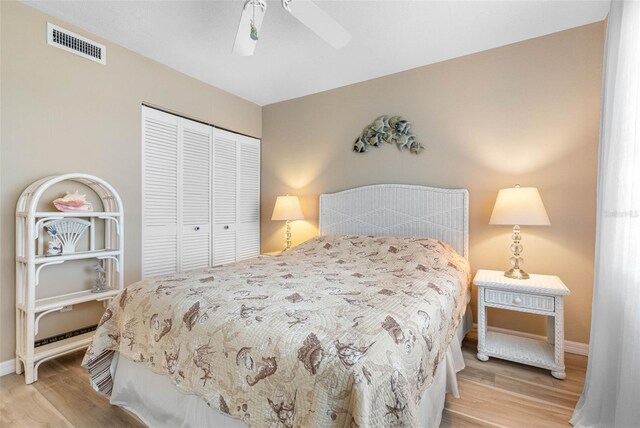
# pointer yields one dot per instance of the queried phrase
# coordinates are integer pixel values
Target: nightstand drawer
(520, 300)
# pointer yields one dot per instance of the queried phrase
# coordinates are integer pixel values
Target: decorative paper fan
(68, 231)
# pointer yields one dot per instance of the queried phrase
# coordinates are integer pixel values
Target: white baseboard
(577, 348)
(7, 367)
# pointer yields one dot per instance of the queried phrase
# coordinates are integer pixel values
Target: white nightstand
(540, 294)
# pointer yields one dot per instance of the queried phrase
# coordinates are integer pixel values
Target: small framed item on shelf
(54, 246)
(48, 238)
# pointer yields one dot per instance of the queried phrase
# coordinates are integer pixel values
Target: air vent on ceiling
(74, 43)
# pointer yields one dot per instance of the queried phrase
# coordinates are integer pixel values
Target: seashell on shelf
(73, 202)
(68, 231)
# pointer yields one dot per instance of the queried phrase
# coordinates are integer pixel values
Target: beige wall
(63, 113)
(525, 113)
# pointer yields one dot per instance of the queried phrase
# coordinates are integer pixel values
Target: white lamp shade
(287, 208)
(520, 206)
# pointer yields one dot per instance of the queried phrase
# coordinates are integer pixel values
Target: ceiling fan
(304, 11)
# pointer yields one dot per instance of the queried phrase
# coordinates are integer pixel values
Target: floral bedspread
(340, 331)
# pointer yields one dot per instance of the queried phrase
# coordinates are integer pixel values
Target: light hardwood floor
(493, 394)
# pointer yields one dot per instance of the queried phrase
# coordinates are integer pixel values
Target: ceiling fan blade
(318, 21)
(244, 45)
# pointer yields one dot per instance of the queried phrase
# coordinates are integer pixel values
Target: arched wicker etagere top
(29, 199)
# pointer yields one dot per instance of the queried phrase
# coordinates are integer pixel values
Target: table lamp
(287, 208)
(518, 206)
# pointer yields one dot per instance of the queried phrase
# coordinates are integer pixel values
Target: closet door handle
(226, 227)
(197, 228)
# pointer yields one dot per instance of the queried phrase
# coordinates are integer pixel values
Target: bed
(360, 326)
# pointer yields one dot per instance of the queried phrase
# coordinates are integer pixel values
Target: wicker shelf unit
(31, 260)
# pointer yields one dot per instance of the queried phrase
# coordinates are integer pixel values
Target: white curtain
(611, 396)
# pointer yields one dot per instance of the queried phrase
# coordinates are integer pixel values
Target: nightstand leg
(551, 330)
(482, 326)
(559, 372)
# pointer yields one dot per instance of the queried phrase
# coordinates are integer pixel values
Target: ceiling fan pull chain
(253, 31)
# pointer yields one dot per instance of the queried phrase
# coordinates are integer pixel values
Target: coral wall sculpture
(389, 130)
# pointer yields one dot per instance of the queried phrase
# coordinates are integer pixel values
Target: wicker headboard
(399, 209)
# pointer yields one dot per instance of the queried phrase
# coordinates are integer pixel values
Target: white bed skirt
(154, 399)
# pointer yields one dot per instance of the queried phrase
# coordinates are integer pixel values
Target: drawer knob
(226, 227)
(517, 300)
(197, 228)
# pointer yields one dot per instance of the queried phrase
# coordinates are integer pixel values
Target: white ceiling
(196, 37)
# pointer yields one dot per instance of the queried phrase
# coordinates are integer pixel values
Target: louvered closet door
(224, 197)
(159, 193)
(196, 195)
(248, 235)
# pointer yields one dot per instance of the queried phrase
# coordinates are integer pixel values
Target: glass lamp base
(516, 273)
(516, 261)
(287, 236)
